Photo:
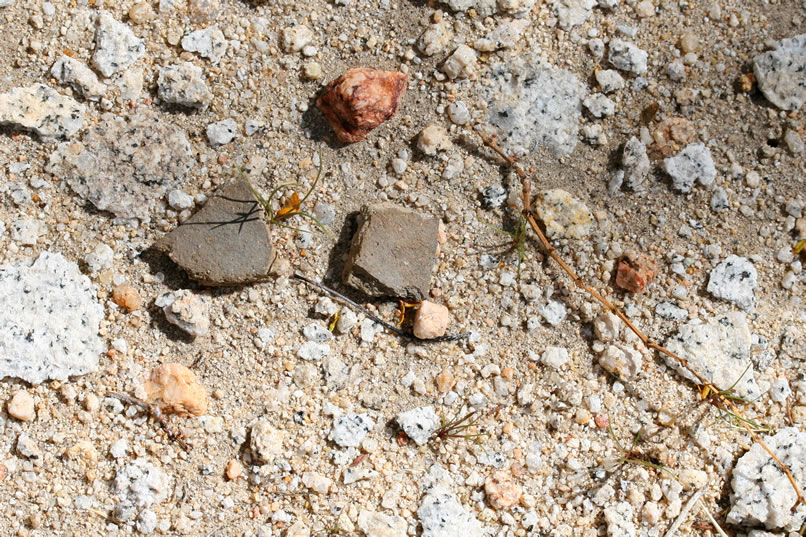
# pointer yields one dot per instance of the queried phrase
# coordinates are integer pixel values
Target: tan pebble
(91, 403)
(21, 406)
(83, 450)
(35, 521)
(218, 394)
(508, 428)
(601, 421)
(360, 100)
(174, 389)
(234, 469)
(799, 414)
(431, 320)
(508, 373)
(689, 43)
(502, 491)
(433, 138)
(582, 417)
(445, 381)
(126, 297)
(312, 71)
(141, 12)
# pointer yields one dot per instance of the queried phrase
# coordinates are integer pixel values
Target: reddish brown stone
(635, 272)
(672, 134)
(360, 100)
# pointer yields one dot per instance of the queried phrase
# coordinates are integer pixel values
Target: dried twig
(684, 513)
(724, 398)
(157, 414)
(718, 528)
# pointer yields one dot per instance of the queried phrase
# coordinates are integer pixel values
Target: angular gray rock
(693, 163)
(534, 103)
(208, 43)
(440, 513)
(625, 56)
(351, 429)
(189, 312)
(393, 252)
(183, 84)
(781, 73)
(734, 280)
(70, 71)
(719, 350)
(636, 164)
(222, 132)
(572, 13)
(116, 46)
(125, 165)
(419, 423)
(485, 8)
(762, 494)
(139, 485)
(227, 242)
(42, 110)
(40, 340)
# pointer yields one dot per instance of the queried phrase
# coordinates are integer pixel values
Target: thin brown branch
(156, 413)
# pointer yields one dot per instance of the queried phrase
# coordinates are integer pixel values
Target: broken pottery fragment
(393, 252)
(226, 243)
(360, 100)
(173, 388)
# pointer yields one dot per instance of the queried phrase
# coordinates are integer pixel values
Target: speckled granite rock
(780, 73)
(43, 111)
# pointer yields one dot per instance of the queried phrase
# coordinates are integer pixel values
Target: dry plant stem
(157, 414)
(719, 529)
(526, 196)
(684, 513)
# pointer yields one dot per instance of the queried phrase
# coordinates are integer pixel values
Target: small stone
(28, 448)
(645, 9)
(266, 442)
(618, 518)
(41, 110)
(208, 43)
(26, 231)
(146, 522)
(21, 406)
(139, 485)
(432, 139)
(435, 38)
(602, 421)
(234, 469)
(794, 142)
(101, 258)
(692, 479)
(563, 215)
(595, 135)
(635, 271)
(460, 64)
(116, 46)
(636, 164)
(126, 297)
(553, 312)
(440, 513)
(141, 13)
(360, 100)
(673, 133)
(596, 47)
(313, 351)
(70, 71)
(599, 105)
(624, 362)
(222, 132)
(351, 429)
(554, 357)
(375, 524)
(296, 37)
(780, 73)
(419, 424)
(609, 80)
(392, 253)
(625, 56)
(572, 13)
(502, 490)
(179, 200)
(694, 163)
(676, 71)
(719, 200)
(174, 389)
(505, 35)
(431, 320)
(183, 84)
(237, 253)
(312, 71)
(458, 113)
(734, 280)
(186, 310)
(119, 449)
(445, 381)
(667, 310)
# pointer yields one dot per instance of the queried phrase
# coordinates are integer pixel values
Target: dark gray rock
(226, 243)
(393, 252)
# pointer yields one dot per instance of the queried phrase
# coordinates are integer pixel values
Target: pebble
(762, 495)
(28, 448)
(40, 342)
(266, 442)
(734, 280)
(460, 64)
(146, 522)
(635, 271)
(431, 320)
(119, 449)
(694, 163)
(312, 71)
(553, 312)
(186, 310)
(360, 100)
(719, 200)
(670, 311)
(493, 197)
(609, 80)
(79, 76)
(779, 73)
(174, 389)
(563, 215)
(26, 231)
(116, 46)
(41, 110)
(433, 139)
(676, 71)
(234, 469)
(419, 424)
(692, 479)
(572, 13)
(375, 524)
(606, 327)
(399, 166)
(253, 126)
(222, 132)
(502, 491)
(645, 9)
(100, 259)
(435, 38)
(622, 361)
(719, 350)
(126, 297)
(141, 12)
(296, 37)
(208, 43)
(183, 84)
(599, 105)
(317, 482)
(445, 381)
(555, 357)
(313, 351)
(794, 142)
(618, 518)
(596, 47)
(139, 485)
(351, 429)
(440, 513)
(21, 406)
(625, 56)
(505, 35)
(671, 133)
(594, 134)
(179, 200)
(635, 161)
(458, 113)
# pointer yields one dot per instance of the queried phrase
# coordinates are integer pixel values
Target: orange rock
(234, 469)
(173, 388)
(635, 272)
(360, 100)
(431, 321)
(502, 491)
(445, 381)
(126, 297)
(672, 134)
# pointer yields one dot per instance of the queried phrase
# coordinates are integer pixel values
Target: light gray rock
(780, 73)
(621, 360)
(506, 34)
(125, 165)
(719, 200)
(6, 3)
(625, 56)
(186, 310)
(208, 43)
(26, 231)
(41, 110)
(179, 200)
(116, 46)
(734, 280)
(619, 520)
(599, 105)
(609, 80)
(139, 485)
(485, 8)
(555, 357)
(183, 84)
(375, 524)
(101, 258)
(222, 132)
(266, 442)
(440, 513)
(762, 494)
(79, 76)
(146, 522)
(28, 448)
(310, 350)
(572, 13)
(670, 311)
(351, 429)
(40, 342)
(419, 423)
(694, 163)
(636, 164)
(719, 350)
(553, 312)
(533, 103)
